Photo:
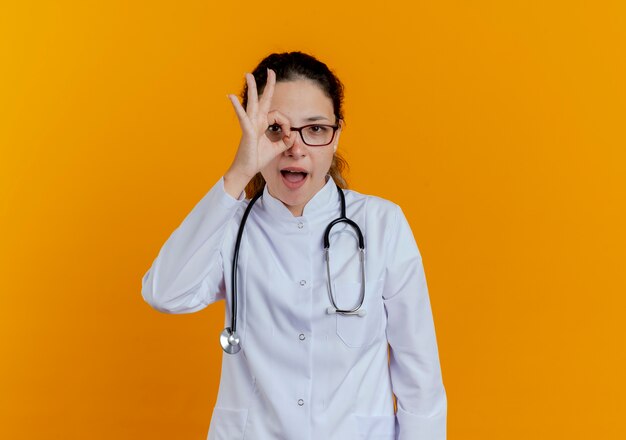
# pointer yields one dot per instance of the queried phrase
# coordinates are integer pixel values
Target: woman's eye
(274, 128)
(317, 128)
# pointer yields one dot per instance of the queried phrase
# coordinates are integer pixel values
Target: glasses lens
(317, 134)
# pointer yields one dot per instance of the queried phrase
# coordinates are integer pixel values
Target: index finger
(276, 117)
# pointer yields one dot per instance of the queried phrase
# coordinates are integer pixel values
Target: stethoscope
(229, 339)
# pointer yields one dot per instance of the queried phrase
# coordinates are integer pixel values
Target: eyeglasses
(313, 135)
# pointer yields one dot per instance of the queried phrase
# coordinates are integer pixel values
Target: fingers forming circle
(276, 117)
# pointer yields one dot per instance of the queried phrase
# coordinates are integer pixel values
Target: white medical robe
(302, 373)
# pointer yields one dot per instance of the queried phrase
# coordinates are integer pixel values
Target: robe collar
(323, 202)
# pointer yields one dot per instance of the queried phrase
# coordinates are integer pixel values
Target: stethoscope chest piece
(230, 341)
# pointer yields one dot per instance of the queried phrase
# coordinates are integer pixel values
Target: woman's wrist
(235, 182)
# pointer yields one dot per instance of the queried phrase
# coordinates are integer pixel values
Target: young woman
(312, 305)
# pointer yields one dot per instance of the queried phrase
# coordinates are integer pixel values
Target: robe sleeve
(187, 274)
(414, 360)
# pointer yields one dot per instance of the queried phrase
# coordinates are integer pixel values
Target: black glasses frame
(299, 130)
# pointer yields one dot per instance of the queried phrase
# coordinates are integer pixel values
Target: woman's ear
(338, 134)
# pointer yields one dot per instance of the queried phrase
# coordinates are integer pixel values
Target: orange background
(497, 126)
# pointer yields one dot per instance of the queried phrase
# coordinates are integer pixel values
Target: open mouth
(294, 177)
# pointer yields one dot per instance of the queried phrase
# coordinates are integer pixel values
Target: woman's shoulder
(372, 203)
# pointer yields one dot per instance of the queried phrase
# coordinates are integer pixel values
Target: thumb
(289, 140)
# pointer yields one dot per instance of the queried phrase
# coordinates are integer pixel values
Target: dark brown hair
(291, 66)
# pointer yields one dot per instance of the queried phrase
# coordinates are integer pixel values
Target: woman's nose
(297, 147)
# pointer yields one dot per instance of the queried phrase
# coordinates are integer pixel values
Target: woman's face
(302, 102)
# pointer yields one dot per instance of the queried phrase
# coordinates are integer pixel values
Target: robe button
(300, 225)
(300, 402)
(302, 337)
(302, 282)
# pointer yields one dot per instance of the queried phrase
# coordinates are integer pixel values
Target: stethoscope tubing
(233, 321)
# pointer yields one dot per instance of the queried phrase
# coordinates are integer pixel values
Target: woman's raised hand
(255, 149)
